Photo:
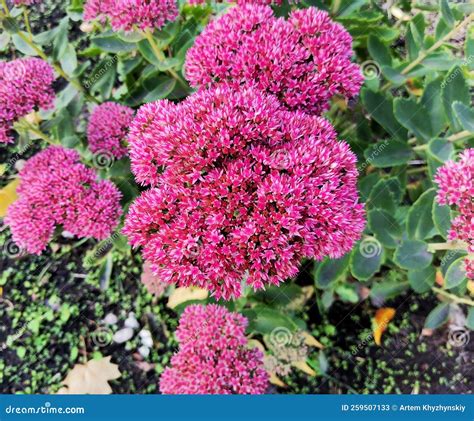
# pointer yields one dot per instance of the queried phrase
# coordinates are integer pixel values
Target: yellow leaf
(303, 366)
(274, 379)
(381, 320)
(253, 343)
(470, 287)
(312, 341)
(91, 378)
(439, 278)
(183, 294)
(8, 196)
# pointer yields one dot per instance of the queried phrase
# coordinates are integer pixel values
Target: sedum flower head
(25, 2)
(213, 356)
(25, 85)
(56, 189)
(240, 189)
(304, 61)
(456, 188)
(108, 128)
(131, 14)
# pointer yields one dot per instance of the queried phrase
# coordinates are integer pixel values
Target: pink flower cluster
(132, 14)
(304, 61)
(25, 2)
(213, 356)
(241, 2)
(108, 128)
(456, 188)
(57, 189)
(25, 84)
(241, 189)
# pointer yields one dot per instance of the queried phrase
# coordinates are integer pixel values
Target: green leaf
(330, 270)
(446, 13)
(420, 224)
(422, 280)
(456, 274)
(22, 46)
(162, 90)
(146, 51)
(10, 25)
(465, 115)
(438, 316)
(439, 151)
(388, 153)
(265, 320)
(413, 116)
(431, 101)
(60, 41)
(280, 296)
(412, 254)
(385, 227)
(415, 35)
(385, 290)
(4, 40)
(69, 60)
(441, 218)
(380, 108)
(366, 259)
(379, 51)
(470, 318)
(113, 44)
(381, 197)
(347, 293)
(454, 88)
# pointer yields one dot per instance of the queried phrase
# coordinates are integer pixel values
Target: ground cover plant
(236, 197)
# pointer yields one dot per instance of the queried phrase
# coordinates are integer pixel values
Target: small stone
(144, 351)
(67, 234)
(110, 319)
(123, 335)
(144, 333)
(147, 341)
(131, 321)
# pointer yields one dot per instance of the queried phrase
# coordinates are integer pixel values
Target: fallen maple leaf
(183, 294)
(91, 378)
(381, 320)
(8, 196)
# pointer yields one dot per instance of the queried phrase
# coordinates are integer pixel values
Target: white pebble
(110, 319)
(144, 351)
(123, 335)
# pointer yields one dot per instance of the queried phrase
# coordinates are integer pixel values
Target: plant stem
(449, 245)
(454, 298)
(160, 56)
(416, 170)
(27, 22)
(434, 47)
(25, 125)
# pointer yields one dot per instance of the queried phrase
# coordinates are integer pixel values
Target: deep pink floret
(241, 2)
(56, 189)
(456, 188)
(25, 86)
(108, 128)
(241, 190)
(213, 355)
(25, 2)
(132, 14)
(304, 61)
